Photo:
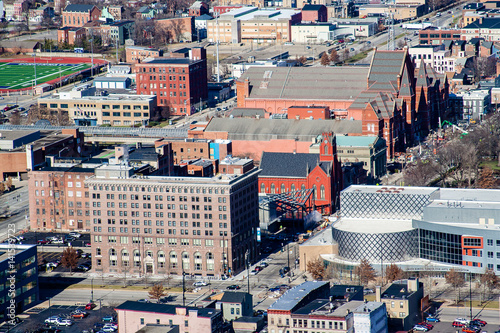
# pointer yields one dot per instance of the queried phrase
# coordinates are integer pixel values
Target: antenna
(390, 40)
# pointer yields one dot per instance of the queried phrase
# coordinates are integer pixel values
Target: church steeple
(328, 147)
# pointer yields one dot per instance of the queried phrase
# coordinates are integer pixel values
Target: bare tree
(325, 59)
(156, 292)
(393, 273)
(334, 56)
(15, 118)
(486, 178)
(418, 173)
(365, 272)
(69, 258)
(456, 280)
(178, 29)
(317, 269)
(302, 60)
(489, 281)
(8, 183)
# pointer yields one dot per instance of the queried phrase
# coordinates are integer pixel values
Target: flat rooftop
(14, 134)
(368, 307)
(461, 194)
(291, 297)
(391, 189)
(14, 249)
(112, 97)
(373, 226)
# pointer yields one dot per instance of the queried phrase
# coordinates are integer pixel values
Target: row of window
(157, 189)
(160, 241)
(125, 114)
(319, 195)
(162, 70)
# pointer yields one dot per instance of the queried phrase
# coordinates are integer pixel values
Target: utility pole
(470, 295)
(92, 290)
(92, 52)
(391, 42)
(248, 270)
(288, 258)
(217, 46)
(183, 286)
(116, 42)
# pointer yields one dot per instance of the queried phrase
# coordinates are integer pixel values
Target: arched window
(125, 258)
(303, 187)
(161, 259)
(197, 261)
(262, 188)
(149, 253)
(137, 258)
(283, 189)
(326, 150)
(173, 259)
(273, 189)
(322, 192)
(210, 261)
(292, 187)
(185, 260)
(315, 189)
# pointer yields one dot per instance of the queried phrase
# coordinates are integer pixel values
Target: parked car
(233, 287)
(254, 272)
(64, 322)
(420, 328)
(143, 300)
(75, 234)
(52, 320)
(478, 322)
(469, 329)
(109, 319)
(83, 268)
(200, 284)
(42, 242)
(90, 306)
(462, 320)
(108, 329)
(432, 319)
(457, 324)
(79, 315)
(57, 241)
(429, 326)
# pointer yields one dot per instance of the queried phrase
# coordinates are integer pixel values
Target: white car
(111, 325)
(75, 234)
(57, 241)
(63, 322)
(462, 320)
(200, 284)
(52, 320)
(420, 328)
(108, 329)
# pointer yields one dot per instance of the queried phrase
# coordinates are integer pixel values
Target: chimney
(413, 285)
(378, 293)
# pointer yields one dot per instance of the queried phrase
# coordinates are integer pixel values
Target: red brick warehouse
(180, 84)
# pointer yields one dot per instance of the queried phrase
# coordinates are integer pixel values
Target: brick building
(22, 151)
(59, 199)
(198, 148)
(70, 35)
(322, 173)
(183, 26)
(180, 84)
(136, 54)
(314, 13)
(309, 112)
(198, 8)
(78, 15)
(132, 316)
(169, 225)
(434, 36)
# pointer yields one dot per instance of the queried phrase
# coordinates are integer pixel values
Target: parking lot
(36, 320)
(446, 327)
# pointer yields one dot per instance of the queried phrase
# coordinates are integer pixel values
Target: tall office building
(159, 225)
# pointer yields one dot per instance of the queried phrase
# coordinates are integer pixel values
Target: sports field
(19, 75)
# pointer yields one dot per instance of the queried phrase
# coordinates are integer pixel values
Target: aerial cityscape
(236, 166)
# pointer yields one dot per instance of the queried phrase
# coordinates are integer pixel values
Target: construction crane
(453, 126)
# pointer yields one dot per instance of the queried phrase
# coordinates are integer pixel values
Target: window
(273, 188)
(105, 114)
(283, 189)
(262, 188)
(490, 242)
(116, 114)
(322, 192)
(472, 242)
(142, 321)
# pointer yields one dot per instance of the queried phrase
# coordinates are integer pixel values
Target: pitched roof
(79, 8)
(306, 83)
(267, 129)
(290, 165)
(385, 68)
(380, 102)
(164, 308)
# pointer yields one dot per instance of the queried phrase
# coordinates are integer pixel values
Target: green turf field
(21, 75)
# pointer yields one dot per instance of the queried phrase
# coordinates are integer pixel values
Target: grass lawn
(493, 164)
(21, 75)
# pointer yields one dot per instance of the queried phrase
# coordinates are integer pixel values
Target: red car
(43, 242)
(424, 324)
(80, 315)
(90, 306)
(468, 330)
(457, 324)
(478, 322)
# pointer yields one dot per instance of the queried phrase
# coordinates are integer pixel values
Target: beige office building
(86, 109)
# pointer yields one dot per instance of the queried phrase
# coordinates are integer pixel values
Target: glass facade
(440, 246)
